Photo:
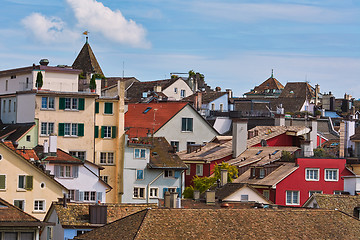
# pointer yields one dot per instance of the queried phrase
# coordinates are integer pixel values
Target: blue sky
(235, 44)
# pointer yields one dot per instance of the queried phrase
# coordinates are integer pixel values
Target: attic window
(147, 109)
(259, 152)
(276, 151)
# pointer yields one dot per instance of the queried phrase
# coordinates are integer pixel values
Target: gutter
(148, 186)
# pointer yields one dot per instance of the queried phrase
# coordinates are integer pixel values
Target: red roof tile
(140, 122)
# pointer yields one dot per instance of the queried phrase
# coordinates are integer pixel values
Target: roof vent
(44, 62)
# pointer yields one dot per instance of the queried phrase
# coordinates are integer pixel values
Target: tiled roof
(270, 180)
(141, 122)
(61, 156)
(162, 154)
(134, 92)
(13, 132)
(112, 81)
(209, 152)
(230, 188)
(13, 216)
(344, 203)
(230, 224)
(206, 97)
(269, 84)
(86, 61)
(77, 214)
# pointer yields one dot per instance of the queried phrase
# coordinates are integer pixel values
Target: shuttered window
(29, 183)
(2, 181)
(96, 107)
(96, 134)
(81, 103)
(108, 108)
(187, 125)
(80, 129)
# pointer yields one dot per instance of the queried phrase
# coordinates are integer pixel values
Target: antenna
(123, 69)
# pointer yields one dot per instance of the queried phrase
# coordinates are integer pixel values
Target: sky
(234, 43)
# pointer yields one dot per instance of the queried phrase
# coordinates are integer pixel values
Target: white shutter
(99, 196)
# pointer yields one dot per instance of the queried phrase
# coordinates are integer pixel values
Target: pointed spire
(272, 73)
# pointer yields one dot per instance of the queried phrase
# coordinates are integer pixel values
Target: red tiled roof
(61, 156)
(11, 214)
(140, 123)
(25, 153)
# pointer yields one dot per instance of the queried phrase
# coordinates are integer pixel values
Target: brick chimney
(239, 138)
(313, 134)
(342, 140)
(52, 144)
(210, 197)
(279, 120)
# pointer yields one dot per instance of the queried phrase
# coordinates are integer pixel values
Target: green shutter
(190, 127)
(102, 132)
(61, 129)
(81, 103)
(2, 181)
(61, 103)
(183, 124)
(96, 107)
(29, 183)
(113, 131)
(108, 108)
(96, 135)
(80, 129)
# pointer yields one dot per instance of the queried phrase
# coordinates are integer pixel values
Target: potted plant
(92, 85)
(39, 80)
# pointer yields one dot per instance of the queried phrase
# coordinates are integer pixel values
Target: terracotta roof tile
(86, 61)
(269, 84)
(230, 224)
(11, 214)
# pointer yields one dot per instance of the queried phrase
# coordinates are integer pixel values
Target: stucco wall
(180, 85)
(25, 108)
(252, 196)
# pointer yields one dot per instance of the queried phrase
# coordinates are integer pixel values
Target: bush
(39, 80)
(188, 192)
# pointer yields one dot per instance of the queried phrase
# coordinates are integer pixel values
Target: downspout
(148, 186)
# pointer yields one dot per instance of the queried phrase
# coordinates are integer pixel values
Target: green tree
(92, 85)
(203, 183)
(232, 171)
(39, 80)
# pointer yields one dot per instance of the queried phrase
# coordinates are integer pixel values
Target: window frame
(151, 190)
(308, 176)
(104, 158)
(45, 129)
(175, 145)
(49, 105)
(78, 154)
(43, 205)
(169, 174)
(182, 93)
(292, 197)
(140, 155)
(199, 173)
(330, 179)
(70, 127)
(19, 188)
(186, 126)
(107, 131)
(141, 176)
(20, 200)
(311, 192)
(139, 193)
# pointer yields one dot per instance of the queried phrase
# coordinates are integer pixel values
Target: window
(86, 196)
(331, 174)
(79, 232)
(79, 154)
(171, 190)
(199, 169)
(262, 173)
(105, 178)
(312, 192)
(266, 194)
(188, 171)
(39, 205)
(47, 103)
(72, 103)
(108, 131)
(9, 105)
(92, 196)
(175, 145)
(139, 192)
(169, 173)
(66, 171)
(139, 153)
(244, 197)
(2, 182)
(146, 110)
(14, 106)
(27, 83)
(221, 107)
(6, 85)
(139, 174)
(20, 204)
(46, 128)
(107, 158)
(187, 125)
(190, 143)
(72, 195)
(4, 105)
(154, 192)
(175, 90)
(213, 107)
(144, 94)
(71, 129)
(182, 93)
(108, 108)
(25, 182)
(292, 198)
(28, 138)
(312, 174)
(337, 192)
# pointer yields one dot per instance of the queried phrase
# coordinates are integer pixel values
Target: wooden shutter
(102, 132)
(96, 134)
(96, 107)
(183, 124)
(178, 190)
(113, 131)
(61, 103)
(190, 124)
(61, 129)
(81, 196)
(75, 171)
(57, 170)
(108, 108)
(80, 129)
(81, 104)
(29, 183)
(177, 174)
(77, 195)
(2, 181)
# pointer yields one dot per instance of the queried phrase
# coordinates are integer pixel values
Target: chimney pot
(210, 197)
(224, 177)
(239, 139)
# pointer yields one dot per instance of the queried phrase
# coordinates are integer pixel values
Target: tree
(92, 85)
(39, 80)
(203, 183)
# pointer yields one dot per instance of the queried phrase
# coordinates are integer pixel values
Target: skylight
(147, 109)
(259, 152)
(275, 152)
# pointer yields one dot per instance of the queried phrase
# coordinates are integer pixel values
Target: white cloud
(48, 29)
(248, 12)
(97, 18)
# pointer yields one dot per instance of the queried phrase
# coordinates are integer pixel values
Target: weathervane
(86, 34)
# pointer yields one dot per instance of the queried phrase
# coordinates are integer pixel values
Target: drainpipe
(148, 186)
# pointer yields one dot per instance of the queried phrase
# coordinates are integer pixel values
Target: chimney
(218, 89)
(279, 120)
(313, 133)
(167, 199)
(98, 214)
(317, 91)
(173, 197)
(44, 62)
(46, 147)
(196, 195)
(223, 177)
(230, 93)
(342, 140)
(52, 144)
(307, 149)
(199, 100)
(210, 197)
(239, 140)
